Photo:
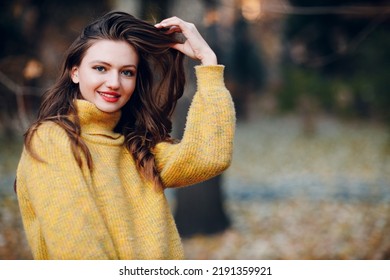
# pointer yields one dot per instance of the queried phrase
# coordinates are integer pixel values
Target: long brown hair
(145, 119)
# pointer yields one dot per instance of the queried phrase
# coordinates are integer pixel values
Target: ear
(74, 75)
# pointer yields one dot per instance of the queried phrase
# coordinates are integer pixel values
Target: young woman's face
(107, 74)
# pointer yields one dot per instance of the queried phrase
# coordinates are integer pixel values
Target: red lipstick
(109, 96)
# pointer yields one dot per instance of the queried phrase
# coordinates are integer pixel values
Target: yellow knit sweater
(113, 212)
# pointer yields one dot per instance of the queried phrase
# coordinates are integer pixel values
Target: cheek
(129, 88)
(89, 83)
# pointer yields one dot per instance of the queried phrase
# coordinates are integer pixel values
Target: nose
(113, 80)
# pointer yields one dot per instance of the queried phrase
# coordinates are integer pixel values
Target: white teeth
(108, 95)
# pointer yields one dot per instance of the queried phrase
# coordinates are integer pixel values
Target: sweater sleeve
(207, 144)
(59, 213)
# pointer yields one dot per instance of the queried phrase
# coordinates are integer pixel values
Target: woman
(91, 179)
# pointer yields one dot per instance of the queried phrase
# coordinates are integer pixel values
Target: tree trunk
(199, 209)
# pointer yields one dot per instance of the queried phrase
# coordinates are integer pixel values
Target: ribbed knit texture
(113, 212)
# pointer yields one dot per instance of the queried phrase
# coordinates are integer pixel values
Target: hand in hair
(194, 46)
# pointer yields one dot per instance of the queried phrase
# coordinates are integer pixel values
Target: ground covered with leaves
(296, 196)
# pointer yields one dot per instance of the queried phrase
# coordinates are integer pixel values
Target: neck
(95, 121)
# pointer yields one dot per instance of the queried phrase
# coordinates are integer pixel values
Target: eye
(99, 68)
(128, 73)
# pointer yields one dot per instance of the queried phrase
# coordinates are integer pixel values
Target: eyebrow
(108, 64)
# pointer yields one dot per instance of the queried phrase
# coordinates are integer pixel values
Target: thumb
(184, 48)
(178, 46)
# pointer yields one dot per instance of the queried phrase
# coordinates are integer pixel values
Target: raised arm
(56, 202)
(207, 144)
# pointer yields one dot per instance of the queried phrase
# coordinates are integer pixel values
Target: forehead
(112, 52)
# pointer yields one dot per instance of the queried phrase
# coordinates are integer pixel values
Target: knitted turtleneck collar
(96, 122)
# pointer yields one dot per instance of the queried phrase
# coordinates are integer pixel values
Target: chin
(107, 108)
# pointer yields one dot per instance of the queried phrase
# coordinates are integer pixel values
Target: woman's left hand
(195, 46)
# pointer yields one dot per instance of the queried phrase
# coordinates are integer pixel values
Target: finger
(158, 25)
(173, 29)
(172, 21)
(183, 48)
(178, 47)
(169, 30)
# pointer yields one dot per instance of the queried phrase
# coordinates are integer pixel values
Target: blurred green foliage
(300, 82)
(343, 61)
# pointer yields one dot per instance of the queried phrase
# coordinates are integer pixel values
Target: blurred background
(310, 82)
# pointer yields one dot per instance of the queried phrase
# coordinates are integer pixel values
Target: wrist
(209, 59)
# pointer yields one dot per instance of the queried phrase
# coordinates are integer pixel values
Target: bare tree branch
(19, 92)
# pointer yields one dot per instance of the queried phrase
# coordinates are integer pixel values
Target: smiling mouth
(109, 96)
